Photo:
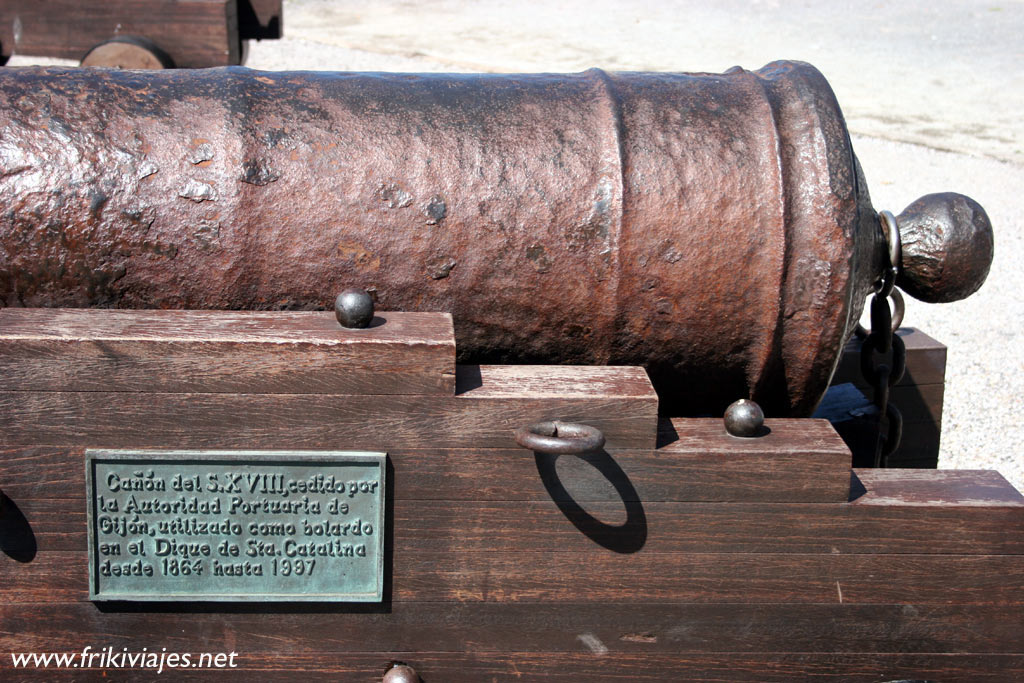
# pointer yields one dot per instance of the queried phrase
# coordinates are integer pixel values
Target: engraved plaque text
(236, 525)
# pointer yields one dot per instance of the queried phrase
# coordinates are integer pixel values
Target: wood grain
(528, 576)
(458, 667)
(884, 487)
(498, 527)
(621, 628)
(485, 416)
(255, 352)
(799, 461)
(195, 33)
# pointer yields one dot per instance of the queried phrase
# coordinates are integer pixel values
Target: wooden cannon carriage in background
(136, 34)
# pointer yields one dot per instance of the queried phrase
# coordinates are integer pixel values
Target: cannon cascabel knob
(947, 247)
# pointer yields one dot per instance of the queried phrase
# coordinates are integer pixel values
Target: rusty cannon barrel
(713, 227)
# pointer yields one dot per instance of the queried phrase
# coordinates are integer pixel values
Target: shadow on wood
(17, 540)
(628, 537)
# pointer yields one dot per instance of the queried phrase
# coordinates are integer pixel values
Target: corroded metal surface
(714, 228)
(947, 247)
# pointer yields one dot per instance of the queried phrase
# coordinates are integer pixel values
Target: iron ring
(899, 309)
(560, 438)
(895, 251)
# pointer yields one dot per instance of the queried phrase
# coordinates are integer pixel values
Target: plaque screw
(401, 673)
(744, 418)
(354, 309)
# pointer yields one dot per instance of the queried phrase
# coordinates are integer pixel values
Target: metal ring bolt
(560, 438)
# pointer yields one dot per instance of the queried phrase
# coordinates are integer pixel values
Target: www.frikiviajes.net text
(109, 658)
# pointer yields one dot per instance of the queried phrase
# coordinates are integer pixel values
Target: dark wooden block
(195, 33)
(919, 397)
(926, 360)
(798, 460)
(72, 350)
(959, 488)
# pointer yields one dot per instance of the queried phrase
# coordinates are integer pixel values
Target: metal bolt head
(744, 418)
(354, 309)
(401, 673)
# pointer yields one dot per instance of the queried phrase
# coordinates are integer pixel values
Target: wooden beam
(800, 461)
(621, 628)
(253, 352)
(528, 576)
(618, 401)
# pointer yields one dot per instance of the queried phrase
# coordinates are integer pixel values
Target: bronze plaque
(236, 525)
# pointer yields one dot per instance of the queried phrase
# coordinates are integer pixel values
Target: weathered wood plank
(597, 577)
(884, 487)
(800, 460)
(895, 527)
(258, 352)
(801, 436)
(591, 666)
(618, 401)
(622, 629)
(195, 33)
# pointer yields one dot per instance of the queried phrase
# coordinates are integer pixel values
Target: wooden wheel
(128, 52)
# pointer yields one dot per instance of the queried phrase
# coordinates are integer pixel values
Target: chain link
(883, 360)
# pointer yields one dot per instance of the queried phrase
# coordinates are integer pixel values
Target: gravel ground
(932, 92)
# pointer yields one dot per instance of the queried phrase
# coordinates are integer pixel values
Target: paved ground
(932, 92)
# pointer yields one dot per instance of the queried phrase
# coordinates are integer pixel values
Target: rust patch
(435, 210)
(393, 196)
(440, 268)
(357, 254)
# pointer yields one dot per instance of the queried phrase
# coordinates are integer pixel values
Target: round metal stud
(354, 309)
(744, 418)
(401, 673)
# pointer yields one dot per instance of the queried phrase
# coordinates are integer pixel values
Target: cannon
(714, 228)
(278, 493)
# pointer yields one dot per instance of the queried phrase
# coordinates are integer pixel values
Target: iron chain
(884, 372)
